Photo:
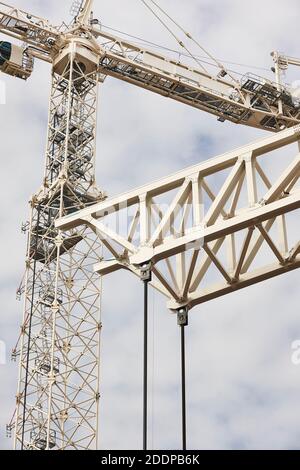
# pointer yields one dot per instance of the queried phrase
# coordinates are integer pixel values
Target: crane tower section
(58, 391)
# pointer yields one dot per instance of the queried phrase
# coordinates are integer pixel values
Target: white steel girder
(210, 229)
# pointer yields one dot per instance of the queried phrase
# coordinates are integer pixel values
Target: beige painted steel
(59, 346)
(254, 101)
(183, 236)
(58, 391)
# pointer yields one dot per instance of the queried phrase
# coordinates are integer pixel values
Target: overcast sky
(243, 390)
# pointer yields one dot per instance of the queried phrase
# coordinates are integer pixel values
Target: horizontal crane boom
(26, 27)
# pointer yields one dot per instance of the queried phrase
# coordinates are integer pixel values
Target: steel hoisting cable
(174, 36)
(145, 385)
(30, 326)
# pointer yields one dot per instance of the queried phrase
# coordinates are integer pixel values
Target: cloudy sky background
(243, 390)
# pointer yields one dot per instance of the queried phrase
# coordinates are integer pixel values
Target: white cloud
(242, 385)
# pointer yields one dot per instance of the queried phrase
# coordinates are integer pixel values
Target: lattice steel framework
(233, 213)
(58, 391)
(179, 226)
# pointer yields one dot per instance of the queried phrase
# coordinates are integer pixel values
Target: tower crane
(58, 390)
(254, 101)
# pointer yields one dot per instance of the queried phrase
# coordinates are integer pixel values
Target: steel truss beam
(189, 227)
(58, 391)
(207, 230)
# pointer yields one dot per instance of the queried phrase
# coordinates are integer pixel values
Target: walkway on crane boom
(191, 87)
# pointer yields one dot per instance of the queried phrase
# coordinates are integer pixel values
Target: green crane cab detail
(5, 52)
(14, 61)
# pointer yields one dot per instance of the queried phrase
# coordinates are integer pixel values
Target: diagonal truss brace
(229, 215)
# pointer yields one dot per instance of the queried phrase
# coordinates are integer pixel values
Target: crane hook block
(15, 61)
